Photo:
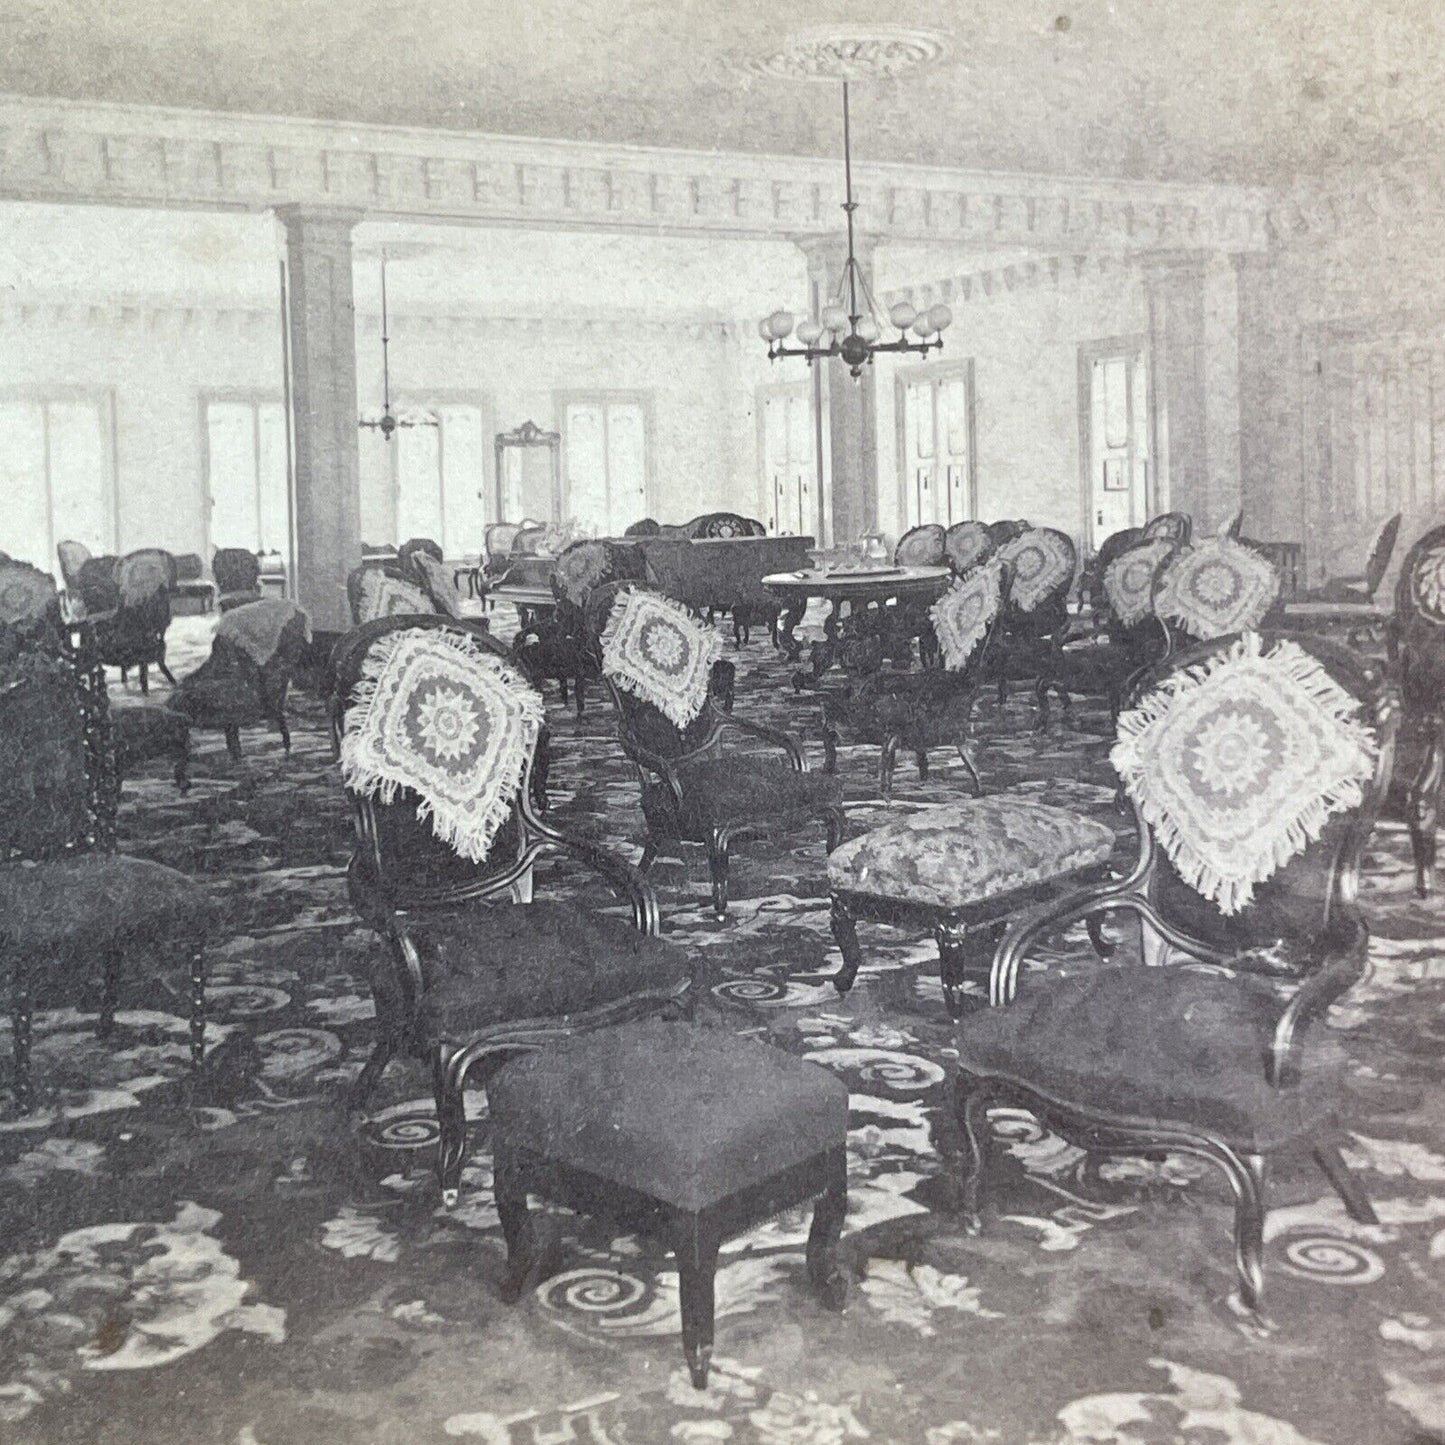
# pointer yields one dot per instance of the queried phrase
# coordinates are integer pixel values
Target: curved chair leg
(20, 1037)
(971, 1103)
(885, 766)
(1246, 1175)
(696, 1245)
(284, 728)
(382, 1053)
(845, 935)
(165, 671)
(717, 867)
(649, 856)
(1346, 1185)
(824, 1270)
(921, 757)
(971, 768)
(1041, 701)
(579, 693)
(1094, 926)
(524, 1254)
(145, 680)
(833, 823)
(233, 741)
(198, 1007)
(449, 1074)
(830, 749)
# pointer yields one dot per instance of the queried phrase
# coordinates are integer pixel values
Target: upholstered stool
(675, 1130)
(960, 870)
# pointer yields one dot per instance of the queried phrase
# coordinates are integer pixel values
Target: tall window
(57, 464)
(246, 480)
(1114, 417)
(604, 462)
(937, 443)
(438, 476)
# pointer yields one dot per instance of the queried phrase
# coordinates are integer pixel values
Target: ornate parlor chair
(134, 634)
(1176, 527)
(931, 707)
(382, 590)
(1001, 533)
(437, 732)
(557, 646)
(922, 546)
(1091, 577)
(657, 657)
(1042, 562)
(712, 525)
(237, 574)
(1418, 641)
(436, 579)
(647, 527)
(72, 557)
(67, 898)
(966, 545)
(1216, 587)
(1127, 635)
(245, 680)
(1255, 764)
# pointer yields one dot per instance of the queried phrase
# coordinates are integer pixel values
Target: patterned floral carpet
(238, 1261)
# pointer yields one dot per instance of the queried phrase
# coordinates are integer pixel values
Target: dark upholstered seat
(143, 731)
(531, 960)
(690, 1134)
(91, 899)
(683, 1114)
(719, 791)
(1169, 1042)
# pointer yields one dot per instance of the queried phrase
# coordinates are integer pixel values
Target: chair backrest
(967, 617)
(498, 537)
(1256, 764)
(1004, 532)
(97, 584)
(437, 730)
(73, 556)
(656, 656)
(529, 539)
(58, 784)
(27, 595)
(374, 591)
(1214, 588)
(1420, 624)
(1171, 526)
(921, 546)
(1380, 554)
(966, 544)
(143, 573)
(414, 546)
(719, 524)
(647, 527)
(1041, 562)
(234, 570)
(1128, 581)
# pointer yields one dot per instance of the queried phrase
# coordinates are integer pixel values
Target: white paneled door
(604, 464)
(937, 445)
(1114, 405)
(56, 469)
(789, 456)
(438, 476)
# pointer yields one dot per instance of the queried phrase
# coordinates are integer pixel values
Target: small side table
(691, 1134)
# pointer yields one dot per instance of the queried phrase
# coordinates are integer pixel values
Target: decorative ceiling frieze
(136, 155)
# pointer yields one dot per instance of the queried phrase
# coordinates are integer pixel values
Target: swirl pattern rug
(238, 1261)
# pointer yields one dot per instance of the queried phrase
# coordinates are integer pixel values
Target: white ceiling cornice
(76, 151)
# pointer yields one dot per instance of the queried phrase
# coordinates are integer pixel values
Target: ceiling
(1244, 90)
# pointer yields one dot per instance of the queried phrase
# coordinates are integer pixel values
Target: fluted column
(322, 333)
(847, 409)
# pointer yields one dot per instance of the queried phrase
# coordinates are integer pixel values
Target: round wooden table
(855, 589)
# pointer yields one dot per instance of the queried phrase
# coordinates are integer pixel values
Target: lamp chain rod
(849, 206)
(385, 343)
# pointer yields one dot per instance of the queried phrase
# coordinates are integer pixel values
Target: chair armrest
(1342, 964)
(654, 763)
(776, 736)
(626, 880)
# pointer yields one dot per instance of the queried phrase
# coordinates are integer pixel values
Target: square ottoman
(676, 1131)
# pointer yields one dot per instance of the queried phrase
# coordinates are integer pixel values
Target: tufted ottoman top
(682, 1114)
(969, 852)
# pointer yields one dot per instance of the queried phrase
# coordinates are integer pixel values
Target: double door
(789, 458)
(937, 443)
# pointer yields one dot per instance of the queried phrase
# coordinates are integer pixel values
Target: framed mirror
(529, 474)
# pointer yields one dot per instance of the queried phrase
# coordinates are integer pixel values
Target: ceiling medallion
(878, 53)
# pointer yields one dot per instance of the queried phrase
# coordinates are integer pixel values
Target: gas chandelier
(385, 421)
(850, 325)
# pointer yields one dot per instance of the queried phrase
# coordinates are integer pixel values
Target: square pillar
(321, 330)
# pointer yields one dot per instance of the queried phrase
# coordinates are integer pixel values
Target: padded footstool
(676, 1131)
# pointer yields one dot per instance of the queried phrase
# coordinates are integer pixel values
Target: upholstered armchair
(1418, 641)
(1255, 765)
(1091, 577)
(557, 646)
(933, 706)
(1127, 635)
(437, 731)
(237, 575)
(1042, 562)
(657, 658)
(134, 634)
(966, 545)
(382, 589)
(245, 681)
(67, 899)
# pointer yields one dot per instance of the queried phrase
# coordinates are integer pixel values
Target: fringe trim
(678, 710)
(1235, 892)
(959, 646)
(469, 834)
(1059, 561)
(1259, 577)
(377, 586)
(1128, 606)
